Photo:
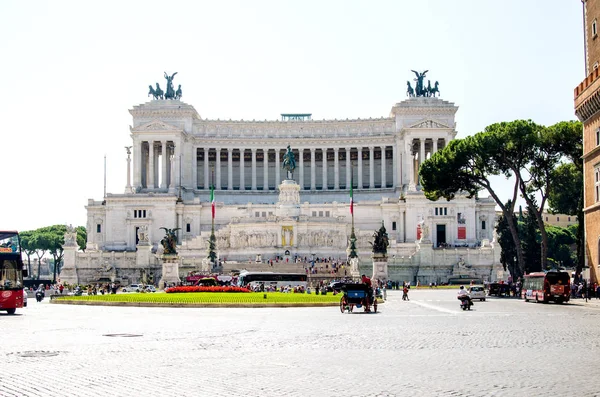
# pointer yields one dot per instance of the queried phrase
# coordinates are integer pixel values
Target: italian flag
(212, 200)
(351, 200)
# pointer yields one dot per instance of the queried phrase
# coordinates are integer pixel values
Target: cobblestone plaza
(427, 346)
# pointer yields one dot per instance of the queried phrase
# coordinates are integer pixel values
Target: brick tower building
(587, 109)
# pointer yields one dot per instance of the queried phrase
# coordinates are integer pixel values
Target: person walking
(405, 293)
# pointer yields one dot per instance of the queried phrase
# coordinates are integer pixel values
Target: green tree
(549, 147)
(530, 241)
(560, 240)
(566, 191)
(39, 242)
(81, 237)
(508, 252)
(27, 247)
(54, 238)
(471, 162)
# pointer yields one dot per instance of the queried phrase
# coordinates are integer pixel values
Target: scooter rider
(463, 294)
(40, 293)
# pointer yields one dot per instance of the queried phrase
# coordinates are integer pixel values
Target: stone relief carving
(243, 239)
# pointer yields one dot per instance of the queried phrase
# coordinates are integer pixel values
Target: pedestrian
(405, 293)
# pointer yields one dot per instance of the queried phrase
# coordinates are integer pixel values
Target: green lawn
(206, 298)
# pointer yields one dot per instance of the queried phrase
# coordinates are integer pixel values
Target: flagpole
(212, 255)
(352, 234)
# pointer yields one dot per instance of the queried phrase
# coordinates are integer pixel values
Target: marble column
(421, 155)
(435, 146)
(410, 162)
(313, 168)
(172, 168)
(371, 167)
(265, 170)
(218, 160)
(165, 160)
(301, 168)
(360, 169)
(336, 168)
(137, 164)
(348, 168)
(324, 183)
(178, 178)
(383, 170)
(151, 160)
(277, 169)
(395, 171)
(229, 168)
(207, 176)
(194, 167)
(253, 168)
(242, 170)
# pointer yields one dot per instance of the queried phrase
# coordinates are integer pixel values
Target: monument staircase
(281, 266)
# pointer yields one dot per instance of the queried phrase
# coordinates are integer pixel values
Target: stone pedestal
(170, 270)
(288, 205)
(380, 266)
(142, 256)
(68, 273)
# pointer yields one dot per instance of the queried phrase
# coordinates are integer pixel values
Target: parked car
(133, 288)
(499, 289)
(149, 288)
(477, 292)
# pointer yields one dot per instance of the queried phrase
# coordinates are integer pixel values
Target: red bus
(547, 286)
(11, 272)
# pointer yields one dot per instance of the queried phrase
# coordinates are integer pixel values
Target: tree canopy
(522, 149)
(49, 239)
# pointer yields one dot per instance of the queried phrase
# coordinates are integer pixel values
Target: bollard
(264, 296)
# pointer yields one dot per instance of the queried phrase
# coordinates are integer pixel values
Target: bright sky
(72, 70)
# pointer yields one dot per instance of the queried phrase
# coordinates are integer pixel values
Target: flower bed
(206, 298)
(205, 289)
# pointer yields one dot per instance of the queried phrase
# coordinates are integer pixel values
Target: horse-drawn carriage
(359, 295)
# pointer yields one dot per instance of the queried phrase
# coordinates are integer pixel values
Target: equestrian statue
(289, 162)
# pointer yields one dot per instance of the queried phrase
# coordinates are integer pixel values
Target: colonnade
(157, 166)
(316, 168)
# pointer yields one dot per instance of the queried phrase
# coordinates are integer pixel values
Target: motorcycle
(465, 302)
(39, 295)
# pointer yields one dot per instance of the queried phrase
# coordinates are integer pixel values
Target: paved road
(427, 346)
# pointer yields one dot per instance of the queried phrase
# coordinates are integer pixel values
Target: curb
(192, 305)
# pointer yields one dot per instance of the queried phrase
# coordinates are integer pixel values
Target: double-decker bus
(272, 279)
(547, 286)
(11, 272)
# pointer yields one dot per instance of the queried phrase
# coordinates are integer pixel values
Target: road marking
(439, 309)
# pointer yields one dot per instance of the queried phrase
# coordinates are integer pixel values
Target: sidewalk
(593, 302)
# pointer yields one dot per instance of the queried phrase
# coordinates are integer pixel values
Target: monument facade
(296, 213)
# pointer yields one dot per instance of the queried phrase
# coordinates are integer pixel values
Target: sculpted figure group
(420, 89)
(158, 93)
(169, 242)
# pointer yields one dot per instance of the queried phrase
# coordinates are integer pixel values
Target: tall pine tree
(530, 241)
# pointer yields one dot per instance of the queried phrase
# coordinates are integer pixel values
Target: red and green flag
(212, 200)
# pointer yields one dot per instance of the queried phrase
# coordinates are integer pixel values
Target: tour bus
(11, 272)
(273, 279)
(546, 286)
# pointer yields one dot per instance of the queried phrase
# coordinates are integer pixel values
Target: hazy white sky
(71, 71)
